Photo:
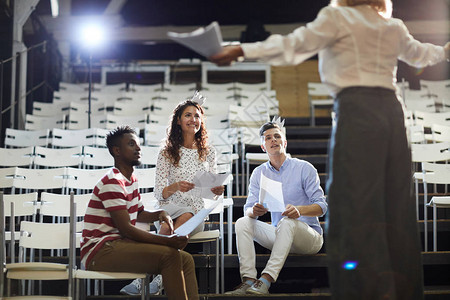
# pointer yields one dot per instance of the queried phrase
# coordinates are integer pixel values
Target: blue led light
(350, 265)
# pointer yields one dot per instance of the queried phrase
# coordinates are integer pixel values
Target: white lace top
(167, 174)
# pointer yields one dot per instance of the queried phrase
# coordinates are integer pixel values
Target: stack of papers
(206, 41)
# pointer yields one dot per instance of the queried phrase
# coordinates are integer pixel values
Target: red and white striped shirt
(113, 192)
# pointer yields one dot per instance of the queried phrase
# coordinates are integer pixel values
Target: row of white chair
(433, 168)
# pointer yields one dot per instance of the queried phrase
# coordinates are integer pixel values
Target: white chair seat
(205, 236)
(440, 202)
(85, 274)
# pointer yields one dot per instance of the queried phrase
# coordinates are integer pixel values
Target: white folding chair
(419, 100)
(24, 208)
(416, 134)
(149, 156)
(82, 107)
(265, 99)
(146, 178)
(52, 157)
(154, 134)
(49, 109)
(436, 174)
(33, 236)
(158, 120)
(81, 120)
(251, 87)
(26, 138)
(218, 121)
(83, 181)
(178, 88)
(427, 153)
(94, 157)
(440, 133)
(319, 98)
(38, 179)
(427, 119)
(144, 88)
(19, 157)
(33, 122)
(65, 138)
(249, 116)
(6, 177)
(131, 108)
(135, 121)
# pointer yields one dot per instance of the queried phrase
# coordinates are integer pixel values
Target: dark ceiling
(226, 12)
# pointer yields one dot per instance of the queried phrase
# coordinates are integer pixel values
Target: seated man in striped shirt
(112, 242)
(295, 227)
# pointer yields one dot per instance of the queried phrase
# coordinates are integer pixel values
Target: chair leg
(434, 228)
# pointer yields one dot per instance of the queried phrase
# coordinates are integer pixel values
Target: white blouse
(356, 47)
(167, 174)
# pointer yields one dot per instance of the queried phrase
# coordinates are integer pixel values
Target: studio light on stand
(92, 37)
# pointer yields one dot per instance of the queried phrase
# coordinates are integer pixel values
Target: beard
(136, 162)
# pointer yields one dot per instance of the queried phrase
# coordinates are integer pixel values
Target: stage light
(92, 35)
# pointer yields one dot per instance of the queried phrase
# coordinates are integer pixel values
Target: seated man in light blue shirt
(294, 230)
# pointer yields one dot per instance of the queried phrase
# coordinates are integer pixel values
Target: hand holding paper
(205, 40)
(204, 181)
(271, 194)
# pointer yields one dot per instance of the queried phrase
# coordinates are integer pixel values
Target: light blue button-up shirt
(301, 186)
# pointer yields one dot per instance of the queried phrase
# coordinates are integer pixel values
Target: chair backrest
(419, 100)
(218, 87)
(24, 204)
(247, 116)
(178, 88)
(438, 88)
(154, 134)
(81, 121)
(149, 155)
(136, 121)
(97, 157)
(416, 134)
(440, 133)
(6, 177)
(26, 138)
(39, 179)
(218, 121)
(19, 157)
(318, 89)
(144, 88)
(158, 120)
(149, 200)
(265, 99)
(172, 97)
(436, 173)
(430, 152)
(429, 118)
(33, 122)
(49, 109)
(114, 88)
(162, 108)
(82, 107)
(59, 204)
(251, 87)
(52, 157)
(71, 138)
(131, 108)
(83, 179)
(225, 136)
(146, 178)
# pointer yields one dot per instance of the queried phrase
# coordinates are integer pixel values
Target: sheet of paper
(204, 40)
(271, 194)
(197, 219)
(204, 181)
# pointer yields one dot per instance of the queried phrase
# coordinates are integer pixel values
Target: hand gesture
(227, 55)
(166, 223)
(177, 241)
(184, 186)
(218, 190)
(259, 210)
(291, 212)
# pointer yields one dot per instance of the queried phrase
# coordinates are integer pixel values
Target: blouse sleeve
(418, 54)
(296, 47)
(162, 174)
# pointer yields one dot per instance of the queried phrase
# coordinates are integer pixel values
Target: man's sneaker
(134, 288)
(156, 286)
(241, 289)
(258, 288)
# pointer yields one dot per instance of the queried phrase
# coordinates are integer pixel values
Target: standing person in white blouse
(372, 238)
(185, 152)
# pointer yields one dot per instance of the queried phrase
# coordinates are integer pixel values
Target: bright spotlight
(92, 35)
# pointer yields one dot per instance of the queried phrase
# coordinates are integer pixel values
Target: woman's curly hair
(175, 137)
